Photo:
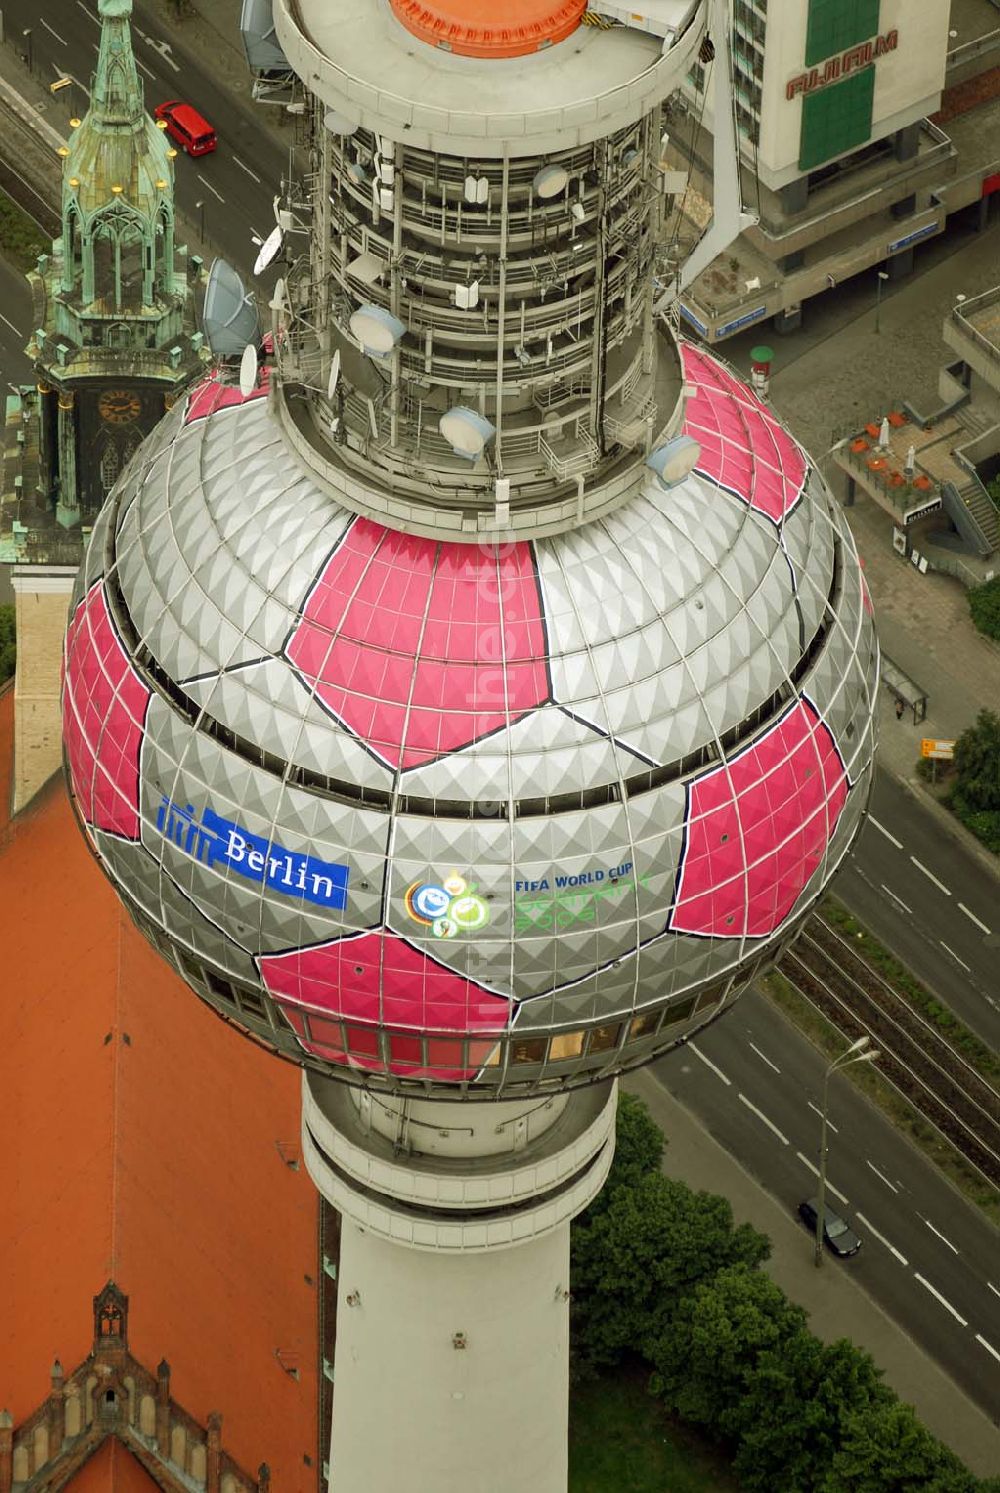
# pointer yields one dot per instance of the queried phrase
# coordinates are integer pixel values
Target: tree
(885, 1449)
(642, 1255)
(639, 1144)
(977, 764)
(984, 605)
(8, 642)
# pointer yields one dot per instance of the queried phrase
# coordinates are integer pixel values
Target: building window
(110, 464)
(836, 119)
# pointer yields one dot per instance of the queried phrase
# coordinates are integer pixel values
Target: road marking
(16, 330)
(951, 951)
(972, 917)
(208, 184)
(708, 1063)
(817, 1111)
(882, 1239)
(52, 32)
(881, 827)
(930, 876)
(993, 1288)
(882, 1177)
(895, 898)
(761, 1116)
(815, 1171)
(938, 1297)
(242, 167)
(88, 13)
(939, 1234)
(988, 1346)
(764, 1058)
(147, 70)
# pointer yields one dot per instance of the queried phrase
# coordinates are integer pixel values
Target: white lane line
(817, 1111)
(951, 951)
(815, 1171)
(896, 898)
(208, 184)
(147, 70)
(764, 1058)
(52, 32)
(88, 12)
(16, 330)
(988, 1346)
(993, 1288)
(939, 1233)
(930, 876)
(761, 1116)
(881, 1239)
(938, 1297)
(236, 160)
(872, 820)
(882, 1177)
(709, 1064)
(972, 917)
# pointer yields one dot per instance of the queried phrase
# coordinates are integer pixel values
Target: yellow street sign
(59, 83)
(939, 751)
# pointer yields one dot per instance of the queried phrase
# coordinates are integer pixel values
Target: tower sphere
(474, 707)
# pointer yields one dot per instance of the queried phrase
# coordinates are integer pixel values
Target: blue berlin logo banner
(222, 842)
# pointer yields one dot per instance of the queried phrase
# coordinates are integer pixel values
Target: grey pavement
(838, 1307)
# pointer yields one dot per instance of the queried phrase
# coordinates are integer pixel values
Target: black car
(837, 1233)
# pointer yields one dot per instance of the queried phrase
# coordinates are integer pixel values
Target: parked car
(838, 1235)
(186, 127)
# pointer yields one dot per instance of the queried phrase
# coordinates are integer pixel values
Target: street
(929, 1258)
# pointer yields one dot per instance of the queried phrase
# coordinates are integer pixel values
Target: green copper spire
(116, 99)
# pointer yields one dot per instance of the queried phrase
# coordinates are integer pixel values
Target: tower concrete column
(453, 1285)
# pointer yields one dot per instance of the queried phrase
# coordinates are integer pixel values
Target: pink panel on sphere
(211, 395)
(104, 710)
(757, 829)
(378, 979)
(420, 647)
(743, 448)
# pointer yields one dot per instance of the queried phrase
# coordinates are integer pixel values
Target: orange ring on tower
(473, 28)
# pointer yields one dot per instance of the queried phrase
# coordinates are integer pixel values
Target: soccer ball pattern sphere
(469, 818)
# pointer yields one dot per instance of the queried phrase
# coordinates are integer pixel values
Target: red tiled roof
(112, 1466)
(143, 1146)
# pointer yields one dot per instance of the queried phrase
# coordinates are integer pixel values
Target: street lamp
(858, 1052)
(28, 55)
(201, 221)
(883, 275)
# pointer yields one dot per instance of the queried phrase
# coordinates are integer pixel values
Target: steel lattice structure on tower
(472, 708)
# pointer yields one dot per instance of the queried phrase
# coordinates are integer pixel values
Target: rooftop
(149, 1144)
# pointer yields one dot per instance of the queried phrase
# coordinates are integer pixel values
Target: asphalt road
(928, 898)
(236, 184)
(15, 327)
(930, 1259)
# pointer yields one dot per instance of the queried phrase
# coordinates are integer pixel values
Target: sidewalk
(837, 1306)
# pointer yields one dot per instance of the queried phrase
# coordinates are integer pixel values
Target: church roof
(148, 1143)
(111, 1467)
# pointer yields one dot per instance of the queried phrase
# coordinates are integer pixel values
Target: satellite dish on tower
(248, 370)
(376, 330)
(334, 380)
(229, 316)
(278, 301)
(268, 250)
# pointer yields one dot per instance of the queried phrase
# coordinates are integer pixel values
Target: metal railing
(960, 316)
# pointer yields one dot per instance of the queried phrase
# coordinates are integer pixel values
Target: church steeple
(117, 99)
(115, 337)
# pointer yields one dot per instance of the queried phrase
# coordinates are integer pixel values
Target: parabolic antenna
(550, 181)
(334, 380)
(229, 317)
(675, 459)
(376, 329)
(248, 370)
(268, 249)
(340, 124)
(278, 301)
(466, 431)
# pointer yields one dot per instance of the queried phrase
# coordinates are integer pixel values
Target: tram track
(917, 1059)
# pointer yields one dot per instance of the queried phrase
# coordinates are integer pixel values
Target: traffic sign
(938, 751)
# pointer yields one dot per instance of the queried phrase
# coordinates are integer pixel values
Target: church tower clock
(115, 337)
